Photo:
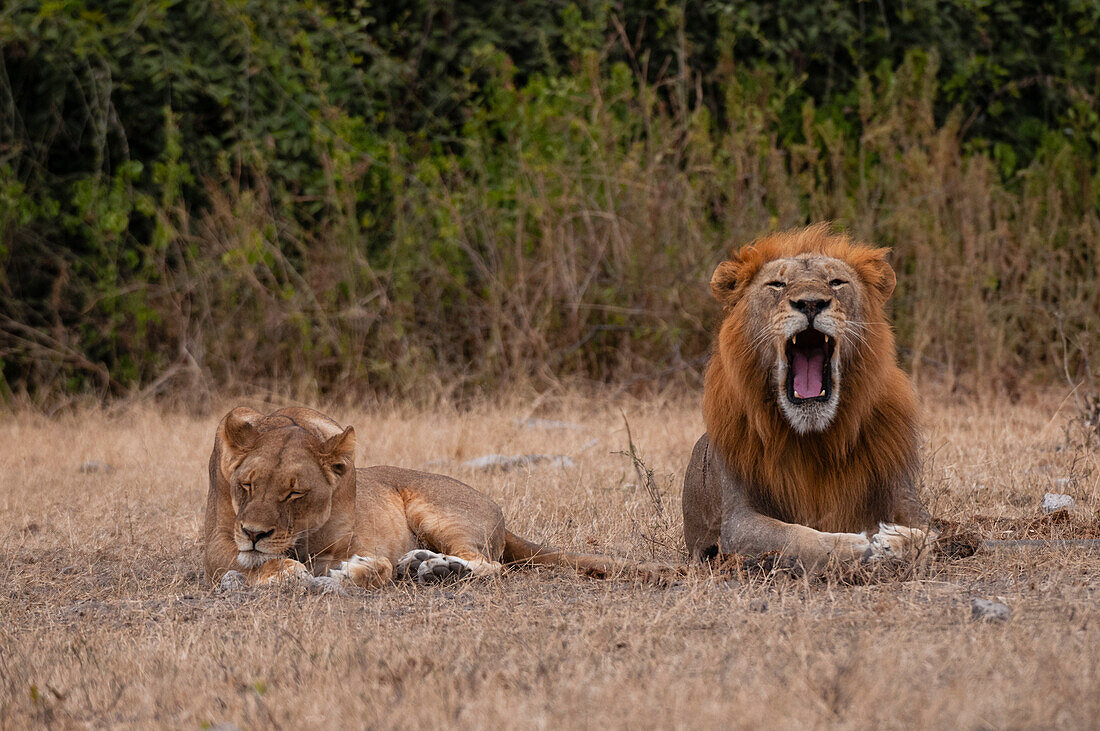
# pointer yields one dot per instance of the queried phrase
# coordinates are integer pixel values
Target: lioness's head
(281, 478)
(805, 309)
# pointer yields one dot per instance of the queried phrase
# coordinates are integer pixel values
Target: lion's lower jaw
(254, 559)
(810, 417)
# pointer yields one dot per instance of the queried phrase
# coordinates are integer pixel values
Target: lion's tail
(519, 550)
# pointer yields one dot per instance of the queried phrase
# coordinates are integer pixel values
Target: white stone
(988, 610)
(505, 463)
(232, 581)
(549, 424)
(1055, 501)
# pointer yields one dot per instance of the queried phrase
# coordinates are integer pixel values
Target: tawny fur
(821, 478)
(835, 480)
(290, 478)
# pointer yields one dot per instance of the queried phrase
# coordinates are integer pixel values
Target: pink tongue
(807, 373)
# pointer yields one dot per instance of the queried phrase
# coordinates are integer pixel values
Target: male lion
(286, 501)
(811, 442)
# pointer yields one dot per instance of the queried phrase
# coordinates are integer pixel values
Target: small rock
(1055, 501)
(91, 466)
(232, 581)
(506, 463)
(988, 610)
(84, 608)
(325, 585)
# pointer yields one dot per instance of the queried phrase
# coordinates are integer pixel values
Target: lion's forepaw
(364, 571)
(896, 542)
(280, 571)
(429, 567)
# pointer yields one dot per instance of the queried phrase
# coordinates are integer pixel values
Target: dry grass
(107, 621)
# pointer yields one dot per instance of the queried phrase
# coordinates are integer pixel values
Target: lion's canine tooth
(794, 340)
(797, 394)
(822, 392)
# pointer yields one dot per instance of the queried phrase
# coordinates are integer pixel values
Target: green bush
(350, 197)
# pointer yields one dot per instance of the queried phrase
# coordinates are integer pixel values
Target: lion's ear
(239, 429)
(877, 273)
(723, 283)
(729, 278)
(339, 451)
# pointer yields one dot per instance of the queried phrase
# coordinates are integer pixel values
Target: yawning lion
(811, 448)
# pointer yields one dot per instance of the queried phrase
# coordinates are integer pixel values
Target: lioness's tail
(521, 550)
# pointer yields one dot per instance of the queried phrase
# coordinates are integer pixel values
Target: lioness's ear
(339, 451)
(240, 430)
(877, 273)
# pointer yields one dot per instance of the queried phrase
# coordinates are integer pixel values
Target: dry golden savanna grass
(109, 622)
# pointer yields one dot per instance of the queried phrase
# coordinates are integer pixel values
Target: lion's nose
(810, 307)
(256, 535)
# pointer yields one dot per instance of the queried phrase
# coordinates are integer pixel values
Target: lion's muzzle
(255, 535)
(256, 544)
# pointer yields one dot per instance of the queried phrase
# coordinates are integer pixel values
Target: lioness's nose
(810, 307)
(256, 535)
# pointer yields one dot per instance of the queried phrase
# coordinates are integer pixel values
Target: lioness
(811, 443)
(286, 500)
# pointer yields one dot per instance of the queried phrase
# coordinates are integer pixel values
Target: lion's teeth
(822, 392)
(794, 340)
(797, 394)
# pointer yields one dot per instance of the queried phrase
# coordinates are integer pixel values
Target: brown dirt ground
(108, 621)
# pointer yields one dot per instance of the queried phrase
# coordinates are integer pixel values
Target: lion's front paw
(429, 567)
(896, 542)
(280, 570)
(365, 571)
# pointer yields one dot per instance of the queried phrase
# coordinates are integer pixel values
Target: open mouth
(809, 354)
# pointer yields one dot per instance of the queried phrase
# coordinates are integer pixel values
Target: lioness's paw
(281, 570)
(364, 571)
(442, 568)
(429, 567)
(896, 542)
(409, 564)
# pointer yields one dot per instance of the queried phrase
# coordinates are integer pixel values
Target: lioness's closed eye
(286, 500)
(811, 443)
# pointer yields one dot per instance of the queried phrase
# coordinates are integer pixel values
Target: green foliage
(365, 196)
